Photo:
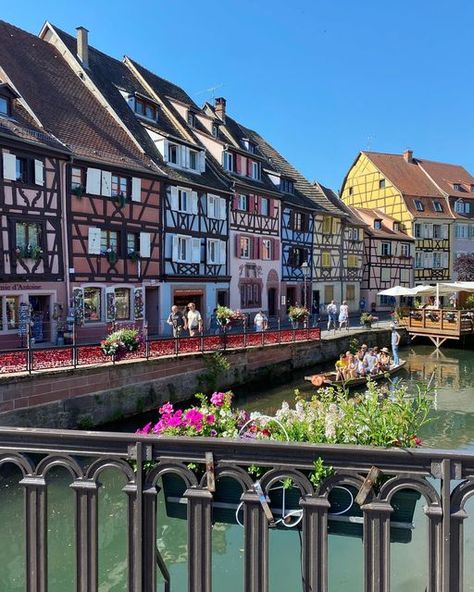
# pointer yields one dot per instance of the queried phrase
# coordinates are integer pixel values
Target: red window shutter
(235, 202)
(276, 249)
(255, 249)
(237, 246)
(238, 164)
(271, 209)
(256, 204)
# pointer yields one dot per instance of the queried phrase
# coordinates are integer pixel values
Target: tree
(464, 267)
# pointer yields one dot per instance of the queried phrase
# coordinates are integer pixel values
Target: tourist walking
(194, 319)
(260, 321)
(344, 315)
(331, 309)
(395, 340)
(214, 325)
(177, 321)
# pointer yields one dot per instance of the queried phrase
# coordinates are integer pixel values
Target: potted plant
(330, 417)
(78, 190)
(111, 255)
(366, 319)
(118, 343)
(133, 255)
(119, 199)
(297, 314)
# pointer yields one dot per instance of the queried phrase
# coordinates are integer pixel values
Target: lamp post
(305, 270)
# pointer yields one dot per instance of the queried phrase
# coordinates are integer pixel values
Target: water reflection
(452, 377)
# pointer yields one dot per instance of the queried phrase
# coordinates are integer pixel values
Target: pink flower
(176, 420)
(417, 440)
(218, 399)
(166, 409)
(145, 429)
(158, 427)
(211, 419)
(193, 417)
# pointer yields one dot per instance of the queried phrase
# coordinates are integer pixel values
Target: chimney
(83, 45)
(408, 155)
(220, 103)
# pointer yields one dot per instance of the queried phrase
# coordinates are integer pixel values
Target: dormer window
(215, 130)
(191, 119)
(249, 146)
(472, 188)
(7, 95)
(145, 108)
(193, 160)
(378, 224)
(287, 186)
(382, 184)
(457, 186)
(419, 205)
(5, 108)
(396, 226)
(438, 206)
(462, 207)
(173, 150)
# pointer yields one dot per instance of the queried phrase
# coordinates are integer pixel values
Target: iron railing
(30, 359)
(444, 479)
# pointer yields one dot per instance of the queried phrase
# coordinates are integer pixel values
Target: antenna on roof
(210, 90)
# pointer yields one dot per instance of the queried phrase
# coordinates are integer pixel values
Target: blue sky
(320, 80)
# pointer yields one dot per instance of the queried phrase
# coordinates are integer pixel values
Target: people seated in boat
(384, 360)
(341, 365)
(351, 368)
(364, 348)
(372, 361)
(362, 366)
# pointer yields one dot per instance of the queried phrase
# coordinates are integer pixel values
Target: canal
(452, 377)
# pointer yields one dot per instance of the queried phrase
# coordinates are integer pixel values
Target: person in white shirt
(331, 309)
(194, 320)
(344, 315)
(260, 321)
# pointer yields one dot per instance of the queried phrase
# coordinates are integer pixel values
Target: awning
(398, 291)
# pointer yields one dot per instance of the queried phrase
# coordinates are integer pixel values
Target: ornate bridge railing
(443, 479)
(31, 359)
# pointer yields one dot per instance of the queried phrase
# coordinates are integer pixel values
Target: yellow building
(398, 185)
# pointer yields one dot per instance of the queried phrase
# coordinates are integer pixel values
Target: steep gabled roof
(445, 176)
(337, 201)
(368, 216)
(65, 107)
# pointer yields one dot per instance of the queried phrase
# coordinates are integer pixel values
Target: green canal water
(452, 376)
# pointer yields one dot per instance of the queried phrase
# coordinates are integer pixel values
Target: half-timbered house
(155, 115)
(398, 185)
(32, 287)
(387, 258)
(111, 194)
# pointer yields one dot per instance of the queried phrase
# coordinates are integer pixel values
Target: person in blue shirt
(395, 340)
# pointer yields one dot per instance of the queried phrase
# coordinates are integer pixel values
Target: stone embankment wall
(88, 397)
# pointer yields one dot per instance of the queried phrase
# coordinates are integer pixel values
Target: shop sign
(20, 287)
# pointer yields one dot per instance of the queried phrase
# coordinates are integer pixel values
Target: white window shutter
(222, 209)
(136, 189)
(145, 244)
(223, 252)
(444, 231)
(194, 202)
(196, 250)
(184, 156)
(93, 181)
(39, 172)
(428, 260)
(211, 206)
(202, 161)
(208, 251)
(107, 183)
(174, 198)
(174, 254)
(163, 147)
(9, 166)
(93, 247)
(445, 260)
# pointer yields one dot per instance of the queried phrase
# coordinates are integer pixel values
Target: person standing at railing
(260, 321)
(194, 319)
(395, 341)
(177, 321)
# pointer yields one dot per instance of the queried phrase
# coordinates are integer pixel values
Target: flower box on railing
(345, 517)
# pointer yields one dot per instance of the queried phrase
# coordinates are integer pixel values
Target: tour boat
(329, 378)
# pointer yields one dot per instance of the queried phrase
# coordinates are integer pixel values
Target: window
(92, 305)
(396, 226)
(215, 130)
(228, 161)
(353, 234)
(250, 295)
(191, 119)
(327, 225)
(12, 304)
(381, 183)
(287, 186)
(108, 241)
(4, 106)
(25, 170)
(255, 170)
(326, 259)
(328, 294)
(173, 154)
(133, 243)
(122, 304)
(438, 207)
(456, 186)
(213, 253)
(265, 206)
(418, 205)
(243, 203)
(182, 249)
(385, 274)
(244, 251)
(405, 250)
(193, 160)
(437, 231)
(378, 224)
(350, 292)
(297, 220)
(120, 186)
(216, 207)
(462, 207)
(472, 188)
(417, 231)
(419, 260)
(78, 178)
(146, 109)
(183, 200)
(353, 262)
(437, 260)
(386, 249)
(28, 239)
(266, 249)
(350, 190)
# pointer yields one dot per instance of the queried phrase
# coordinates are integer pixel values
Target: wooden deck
(438, 324)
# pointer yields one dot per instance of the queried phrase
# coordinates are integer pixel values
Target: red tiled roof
(446, 175)
(368, 216)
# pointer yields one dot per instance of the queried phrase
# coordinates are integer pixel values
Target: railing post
(456, 570)
(199, 540)
(147, 340)
(36, 533)
(435, 549)
(279, 330)
(29, 356)
(245, 331)
(255, 544)
(86, 535)
(74, 346)
(149, 539)
(377, 546)
(176, 344)
(315, 543)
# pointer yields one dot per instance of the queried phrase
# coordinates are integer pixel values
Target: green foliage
(216, 366)
(320, 472)
(469, 302)
(354, 345)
